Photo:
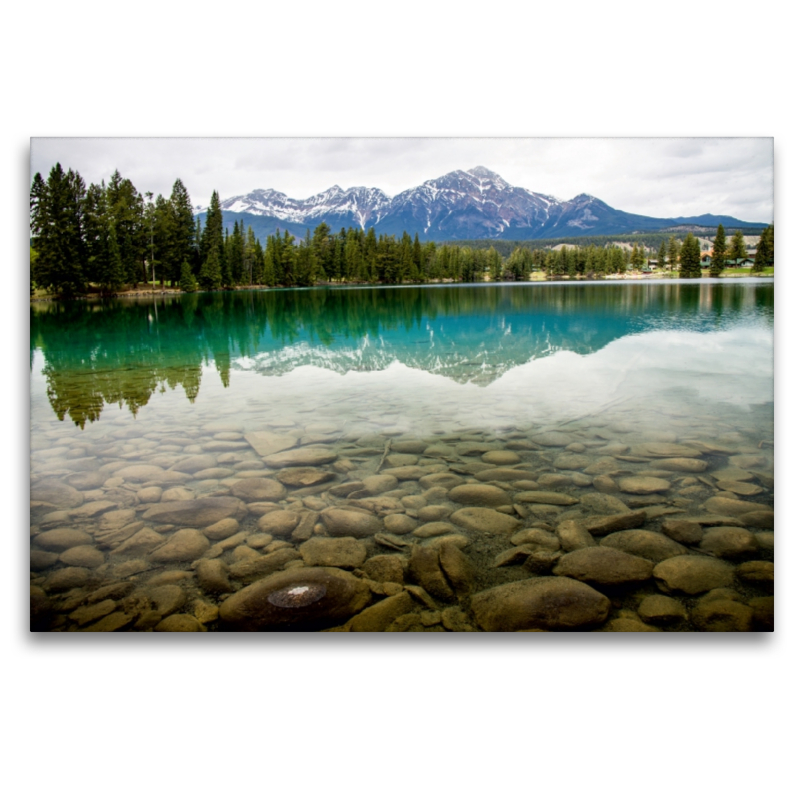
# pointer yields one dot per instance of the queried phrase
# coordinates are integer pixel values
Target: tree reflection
(122, 350)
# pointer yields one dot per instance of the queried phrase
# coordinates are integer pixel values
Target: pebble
(83, 556)
(545, 498)
(501, 458)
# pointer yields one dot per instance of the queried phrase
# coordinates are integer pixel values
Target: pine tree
(673, 253)
(662, 255)
(718, 253)
(57, 218)
(738, 249)
(210, 277)
(182, 230)
(187, 281)
(765, 250)
(690, 258)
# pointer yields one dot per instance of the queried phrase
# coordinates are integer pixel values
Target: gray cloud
(656, 177)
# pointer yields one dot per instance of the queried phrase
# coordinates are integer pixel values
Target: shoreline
(168, 291)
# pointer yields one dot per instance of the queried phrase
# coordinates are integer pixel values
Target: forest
(110, 237)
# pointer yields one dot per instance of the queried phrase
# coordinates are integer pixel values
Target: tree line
(111, 235)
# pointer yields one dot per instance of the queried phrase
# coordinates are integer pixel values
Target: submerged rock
(692, 574)
(604, 565)
(645, 544)
(200, 513)
(483, 520)
(543, 603)
(304, 599)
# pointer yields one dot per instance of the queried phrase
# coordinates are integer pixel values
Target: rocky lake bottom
(616, 521)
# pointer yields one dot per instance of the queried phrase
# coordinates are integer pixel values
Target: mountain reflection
(122, 350)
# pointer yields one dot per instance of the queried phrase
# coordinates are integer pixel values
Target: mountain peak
(482, 172)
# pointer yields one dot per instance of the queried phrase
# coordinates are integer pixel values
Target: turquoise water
(567, 383)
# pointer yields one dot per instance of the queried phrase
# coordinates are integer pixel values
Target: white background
(686, 716)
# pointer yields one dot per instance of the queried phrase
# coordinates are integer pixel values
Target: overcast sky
(656, 177)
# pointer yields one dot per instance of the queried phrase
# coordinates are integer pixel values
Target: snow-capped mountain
(471, 204)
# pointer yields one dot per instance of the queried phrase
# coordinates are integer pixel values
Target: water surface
(366, 375)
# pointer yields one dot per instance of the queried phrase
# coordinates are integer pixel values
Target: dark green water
(356, 372)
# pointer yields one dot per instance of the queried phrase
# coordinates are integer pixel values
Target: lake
(555, 456)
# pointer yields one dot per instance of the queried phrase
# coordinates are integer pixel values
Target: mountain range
(472, 204)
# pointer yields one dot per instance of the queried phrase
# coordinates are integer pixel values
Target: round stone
(643, 484)
(692, 574)
(479, 494)
(501, 458)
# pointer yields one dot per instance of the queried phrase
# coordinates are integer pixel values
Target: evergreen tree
(690, 257)
(662, 255)
(57, 220)
(187, 281)
(182, 231)
(211, 272)
(673, 252)
(718, 253)
(738, 249)
(765, 250)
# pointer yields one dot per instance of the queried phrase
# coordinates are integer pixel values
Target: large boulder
(302, 599)
(543, 603)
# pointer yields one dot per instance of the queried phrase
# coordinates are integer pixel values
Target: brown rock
(616, 522)
(645, 544)
(56, 493)
(199, 513)
(302, 477)
(543, 603)
(692, 574)
(253, 569)
(68, 578)
(266, 443)
(378, 617)
(344, 552)
(483, 520)
(212, 576)
(83, 555)
(60, 539)
(573, 536)
(254, 490)
(660, 609)
(479, 494)
(761, 573)
(302, 457)
(604, 566)
(384, 569)
(426, 571)
(682, 531)
(186, 544)
(278, 523)
(721, 614)
(304, 599)
(729, 542)
(179, 623)
(346, 521)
